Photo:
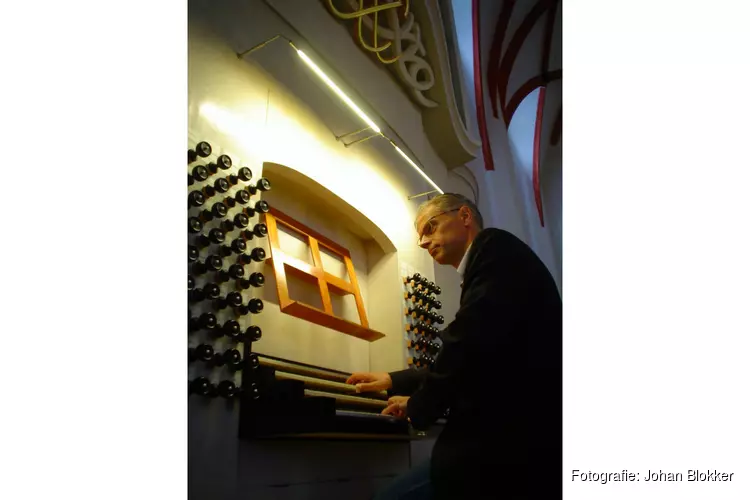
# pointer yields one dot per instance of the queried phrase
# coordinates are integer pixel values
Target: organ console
(306, 401)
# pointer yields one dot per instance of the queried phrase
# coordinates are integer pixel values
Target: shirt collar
(462, 266)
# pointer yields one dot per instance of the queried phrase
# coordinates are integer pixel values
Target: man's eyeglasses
(431, 225)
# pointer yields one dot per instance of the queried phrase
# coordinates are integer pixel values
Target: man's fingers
(367, 386)
(390, 410)
(394, 411)
(358, 377)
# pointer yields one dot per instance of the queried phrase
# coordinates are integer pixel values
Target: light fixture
(347, 100)
(337, 90)
(410, 162)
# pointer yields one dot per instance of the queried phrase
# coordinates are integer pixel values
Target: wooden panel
(319, 317)
(315, 274)
(339, 286)
(357, 296)
(308, 231)
(322, 285)
(278, 265)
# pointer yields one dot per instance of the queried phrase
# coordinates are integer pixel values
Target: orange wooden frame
(316, 275)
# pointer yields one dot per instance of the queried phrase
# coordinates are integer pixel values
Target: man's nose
(424, 242)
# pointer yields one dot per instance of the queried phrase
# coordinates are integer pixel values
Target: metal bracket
(421, 194)
(341, 138)
(252, 49)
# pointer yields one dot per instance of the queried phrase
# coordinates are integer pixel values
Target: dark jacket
(500, 374)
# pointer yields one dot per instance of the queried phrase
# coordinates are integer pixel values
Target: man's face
(444, 234)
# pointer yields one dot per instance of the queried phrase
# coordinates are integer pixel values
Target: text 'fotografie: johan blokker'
(655, 476)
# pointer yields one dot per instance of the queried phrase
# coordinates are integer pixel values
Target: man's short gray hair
(452, 201)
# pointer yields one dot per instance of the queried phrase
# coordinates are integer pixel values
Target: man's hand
(396, 406)
(370, 382)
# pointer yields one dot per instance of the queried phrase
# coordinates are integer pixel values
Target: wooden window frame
(315, 275)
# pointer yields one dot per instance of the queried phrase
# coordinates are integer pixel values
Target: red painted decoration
(489, 164)
(537, 150)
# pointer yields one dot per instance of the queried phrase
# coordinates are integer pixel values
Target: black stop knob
(255, 306)
(236, 271)
(221, 185)
(234, 299)
(192, 253)
(200, 173)
(196, 199)
(241, 220)
(258, 254)
(201, 386)
(208, 321)
(252, 361)
(212, 291)
(227, 389)
(216, 236)
(262, 207)
(194, 225)
(260, 230)
(232, 329)
(253, 333)
(239, 246)
(242, 197)
(224, 162)
(245, 174)
(214, 263)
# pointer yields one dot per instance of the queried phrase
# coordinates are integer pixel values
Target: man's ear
(465, 214)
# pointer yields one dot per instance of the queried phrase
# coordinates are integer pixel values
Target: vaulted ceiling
(521, 53)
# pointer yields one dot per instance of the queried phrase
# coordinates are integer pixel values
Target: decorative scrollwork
(397, 42)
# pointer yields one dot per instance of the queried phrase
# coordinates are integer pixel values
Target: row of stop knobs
(201, 173)
(231, 358)
(422, 344)
(230, 329)
(227, 389)
(419, 282)
(422, 360)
